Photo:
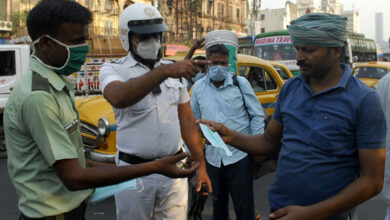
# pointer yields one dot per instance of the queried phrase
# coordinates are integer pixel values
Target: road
(105, 210)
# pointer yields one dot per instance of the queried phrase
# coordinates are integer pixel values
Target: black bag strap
(236, 83)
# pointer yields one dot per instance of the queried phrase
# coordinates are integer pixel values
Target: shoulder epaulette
(39, 83)
(119, 61)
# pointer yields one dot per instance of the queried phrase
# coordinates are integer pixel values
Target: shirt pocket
(233, 104)
(331, 133)
(72, 127)
(173, 87)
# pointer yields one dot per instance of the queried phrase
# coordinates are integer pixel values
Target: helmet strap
(139, 58)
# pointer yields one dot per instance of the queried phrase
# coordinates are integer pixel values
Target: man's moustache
(303, 64)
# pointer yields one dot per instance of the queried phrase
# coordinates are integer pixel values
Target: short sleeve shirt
(41, 127)
(150, 128)
(322, 134)
(226, 105)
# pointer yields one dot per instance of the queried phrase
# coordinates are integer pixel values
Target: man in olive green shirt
(45, 153)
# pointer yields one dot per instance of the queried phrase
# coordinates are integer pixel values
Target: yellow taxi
(98, 125)
(283, 71)
(371, 72)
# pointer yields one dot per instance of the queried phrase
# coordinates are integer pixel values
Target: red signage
(173, 48)
(273, 40)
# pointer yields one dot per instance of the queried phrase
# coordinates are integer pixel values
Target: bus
(360, 48)
(245, 45)
(276, 46)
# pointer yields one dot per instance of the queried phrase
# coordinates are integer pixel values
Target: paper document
(215, 139)
(104, 192)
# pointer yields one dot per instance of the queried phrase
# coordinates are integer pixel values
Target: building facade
(191, 19)
(186, 19)
(277, 19)
(352, 20)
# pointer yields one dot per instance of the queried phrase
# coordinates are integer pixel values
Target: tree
(18, 20)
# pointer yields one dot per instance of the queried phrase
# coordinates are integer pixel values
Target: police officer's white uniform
(149, 129)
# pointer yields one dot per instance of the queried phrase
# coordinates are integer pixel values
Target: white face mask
(148, 49)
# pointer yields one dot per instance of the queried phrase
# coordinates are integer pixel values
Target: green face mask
(77, 54)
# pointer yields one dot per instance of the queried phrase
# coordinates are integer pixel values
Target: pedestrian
(46, 160)
(328, 125)
(153, 113)
(223, 97)
(383, 90)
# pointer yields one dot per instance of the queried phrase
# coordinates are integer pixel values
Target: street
(105, 210)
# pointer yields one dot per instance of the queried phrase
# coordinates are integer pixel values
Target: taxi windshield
(370, 72)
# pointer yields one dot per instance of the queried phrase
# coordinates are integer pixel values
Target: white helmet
(139, 18)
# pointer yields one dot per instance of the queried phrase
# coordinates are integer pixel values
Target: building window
(262, 17)
(238, 14)
(209, 4)
(262, 30)
(108, 28)
(108, 5)
(230, 12)
(220, 9)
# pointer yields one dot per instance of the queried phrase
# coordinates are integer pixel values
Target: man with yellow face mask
(46, 161)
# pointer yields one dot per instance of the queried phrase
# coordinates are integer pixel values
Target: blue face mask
(218, 73)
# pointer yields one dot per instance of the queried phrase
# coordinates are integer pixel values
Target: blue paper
(214, 139)
(104, 192)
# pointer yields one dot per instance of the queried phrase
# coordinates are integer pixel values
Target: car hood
(92, 108)
(370, 82)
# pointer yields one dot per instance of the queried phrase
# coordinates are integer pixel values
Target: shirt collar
(342, 82)
(54, 79)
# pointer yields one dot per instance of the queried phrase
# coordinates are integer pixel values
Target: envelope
(214, 139)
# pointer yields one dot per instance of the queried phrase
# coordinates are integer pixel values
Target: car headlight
(103, 127)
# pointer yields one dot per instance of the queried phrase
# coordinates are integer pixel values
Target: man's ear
(337, 52)
(45, 44)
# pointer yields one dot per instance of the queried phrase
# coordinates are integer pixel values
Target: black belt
(132, 159)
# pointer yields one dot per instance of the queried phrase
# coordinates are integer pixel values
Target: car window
(270, 81)
(370, 72)
(259, 78)
(282, 72)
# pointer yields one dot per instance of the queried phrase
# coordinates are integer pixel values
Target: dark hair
(199, 58)
(217, 48)
(48, 15)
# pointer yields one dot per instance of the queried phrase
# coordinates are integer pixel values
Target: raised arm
(123, 94)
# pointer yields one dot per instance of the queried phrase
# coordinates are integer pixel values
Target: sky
(366, 9)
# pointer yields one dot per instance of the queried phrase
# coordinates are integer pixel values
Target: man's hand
(226, 134)
(185, 68)
(167, 166)
(203, 178)
(199, 43)
(294, 213)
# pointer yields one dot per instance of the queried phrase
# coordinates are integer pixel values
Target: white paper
(214, 139)
(104, 192)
